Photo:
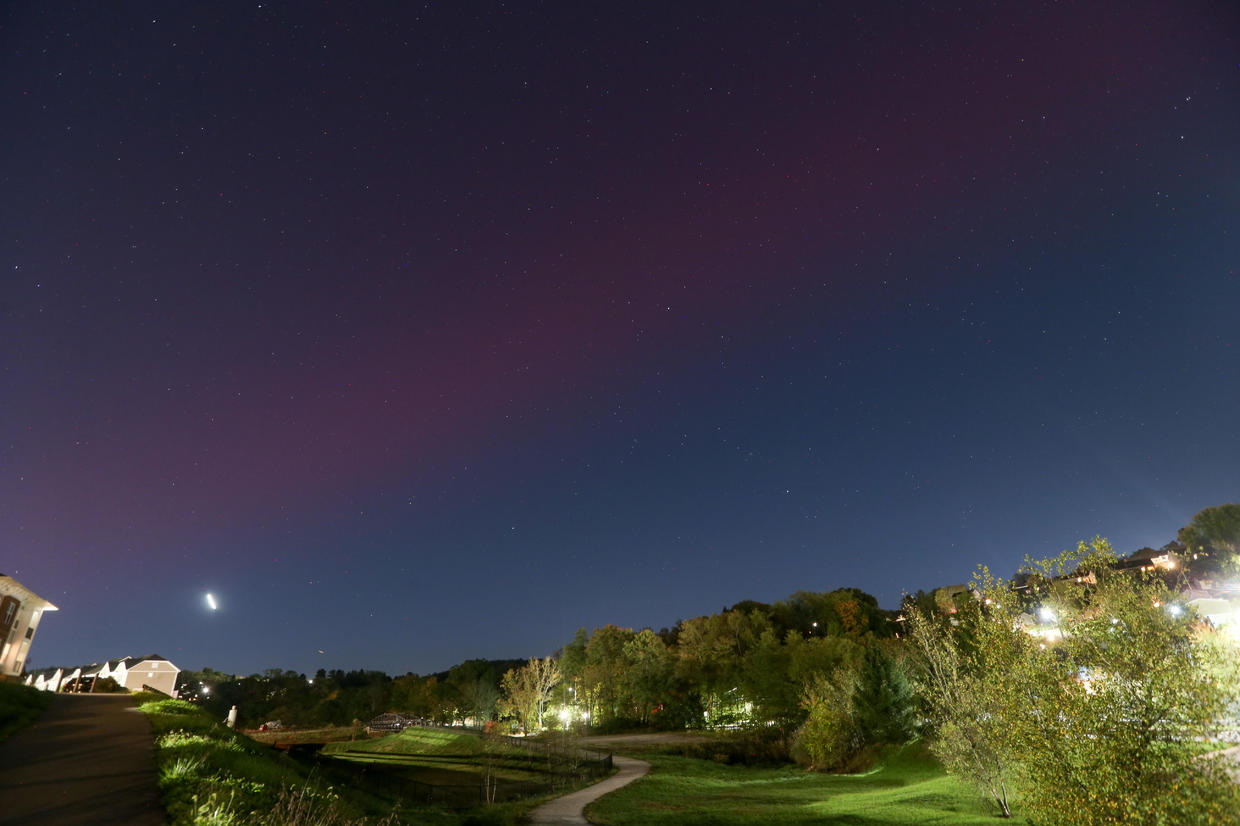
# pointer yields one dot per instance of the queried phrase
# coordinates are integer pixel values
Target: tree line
(1079, 686)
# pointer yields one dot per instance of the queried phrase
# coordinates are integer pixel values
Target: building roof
(146, 658)
(29, 595)
(95, 668)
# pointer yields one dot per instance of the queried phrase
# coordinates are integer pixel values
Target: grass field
(20, 706)
(330, 734)
(906, 788)
(452, 757)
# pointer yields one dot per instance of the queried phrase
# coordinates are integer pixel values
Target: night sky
(423, 332)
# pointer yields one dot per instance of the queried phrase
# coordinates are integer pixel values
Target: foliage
(830, 736)
(970, 736)
(884, 701)
(1100, 708)
(472, 688)
(712, 654)
(335, 698)
(20, 706)
(527, 690)
(865, 701)
(1215, 531)
(303, 806)
(602, 678)
(842, 612)
(209, 774)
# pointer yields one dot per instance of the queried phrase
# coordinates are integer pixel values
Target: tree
(970, 738)
(603, 675)
(527, 690)
(475, 684)
(884, 701)
(1096, 710)
(713, 650)
(418, 696)
(649, 672)
(1215, 531)
(830, 736)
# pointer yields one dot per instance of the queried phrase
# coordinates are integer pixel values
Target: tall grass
(211, 776)
(20, 706)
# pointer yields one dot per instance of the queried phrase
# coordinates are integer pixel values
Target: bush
(1097, 716)
(20, 706)
(830, 736)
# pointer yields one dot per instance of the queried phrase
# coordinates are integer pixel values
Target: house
(131, 673)
(20, 612)
(138, 673)
(46, 679)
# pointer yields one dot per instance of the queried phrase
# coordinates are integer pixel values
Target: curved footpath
(89, 759)
(570, 807)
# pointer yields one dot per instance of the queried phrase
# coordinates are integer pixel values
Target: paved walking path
(89, 759)
(569, 808)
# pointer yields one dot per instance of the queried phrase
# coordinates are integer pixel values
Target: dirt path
(88, 759)
(569, 808)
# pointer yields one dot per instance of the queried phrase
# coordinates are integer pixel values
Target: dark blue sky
(416, 334)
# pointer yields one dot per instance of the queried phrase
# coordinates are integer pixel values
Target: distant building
(20, 612)
(131, 673)
(389, 723)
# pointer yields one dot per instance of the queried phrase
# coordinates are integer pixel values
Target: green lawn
(452, 756)
(20, 706)
(443, 741)
(907, 787)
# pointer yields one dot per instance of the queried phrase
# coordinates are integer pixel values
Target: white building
(131, 673)
(20, 612)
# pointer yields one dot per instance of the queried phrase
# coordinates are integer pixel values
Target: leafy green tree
(712, 652)
(1096, 709)
(830, 735)
(418, 696)
(765, 680)
(473, 687)
(970, 737)
(1216, 531)
(649, 672)
(884, 701)
(526, 691)
(603, 675)
(773, 673)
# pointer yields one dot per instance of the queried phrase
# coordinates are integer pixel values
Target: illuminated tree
(649, 671)
(527, 690)
(1097, 710)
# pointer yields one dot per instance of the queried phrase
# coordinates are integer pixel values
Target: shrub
(20, 706)
(830, 735)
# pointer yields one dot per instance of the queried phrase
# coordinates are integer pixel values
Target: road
(89, 759)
